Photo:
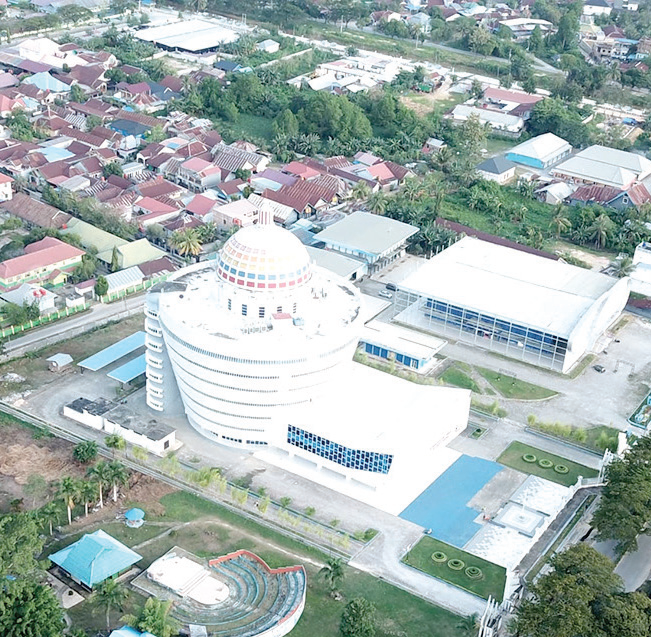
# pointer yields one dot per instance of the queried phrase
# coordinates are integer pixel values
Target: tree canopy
(29, 609)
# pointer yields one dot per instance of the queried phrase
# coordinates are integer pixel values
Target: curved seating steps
(274, 598)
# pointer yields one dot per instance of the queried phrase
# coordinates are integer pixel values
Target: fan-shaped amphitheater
(236, 595)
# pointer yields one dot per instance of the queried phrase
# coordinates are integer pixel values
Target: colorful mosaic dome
(264, 257)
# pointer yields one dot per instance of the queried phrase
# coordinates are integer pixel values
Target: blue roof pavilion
(95, 557)
(127, 631)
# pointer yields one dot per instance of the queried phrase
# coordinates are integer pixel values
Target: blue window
(351, 458)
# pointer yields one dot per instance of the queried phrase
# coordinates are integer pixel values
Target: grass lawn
(511, 387)
(218, 531)
(248, 126)
(512, 457)
(457, 377)
(493, 576)
(92, 616)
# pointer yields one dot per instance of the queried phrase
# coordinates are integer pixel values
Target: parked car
(599, 368)
(385, 294)
(391, 286)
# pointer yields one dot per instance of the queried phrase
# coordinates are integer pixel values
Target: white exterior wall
(6, 192)
(595, 322)
(156, 447)
(96, 422)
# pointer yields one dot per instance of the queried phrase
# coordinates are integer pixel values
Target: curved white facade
(249, 337)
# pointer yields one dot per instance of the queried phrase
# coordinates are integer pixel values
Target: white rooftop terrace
(509, 284)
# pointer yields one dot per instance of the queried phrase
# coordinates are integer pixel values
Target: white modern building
(257, 346)
(521, 305)
(641, 275)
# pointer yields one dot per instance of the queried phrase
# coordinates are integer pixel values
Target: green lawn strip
(491, 583)
(457, 377)
(511, 387)
(512, 457)
(578, 369)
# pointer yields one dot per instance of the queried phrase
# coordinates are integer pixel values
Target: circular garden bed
(473, 572)
(439, 557)
(456, 564)
(561, 468)
(545, 463)
(529, 457)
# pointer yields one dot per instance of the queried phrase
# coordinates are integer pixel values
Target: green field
(493, 576)
(453, 375)
(511, 387)
(215, 531)
(512, 457)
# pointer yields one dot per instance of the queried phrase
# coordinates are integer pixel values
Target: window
(294, 309)
(261, 312)
(279, 309)
(230, 304)
(245, 309)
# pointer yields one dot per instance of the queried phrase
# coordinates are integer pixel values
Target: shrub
(473, 572)
(456, 564)
(545, 463)
(529, 457)
(439, 557)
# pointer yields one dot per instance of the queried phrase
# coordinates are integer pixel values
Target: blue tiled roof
(127, 631)
(94, 558)
(46, 82)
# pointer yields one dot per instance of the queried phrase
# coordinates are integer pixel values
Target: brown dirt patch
(148, 491)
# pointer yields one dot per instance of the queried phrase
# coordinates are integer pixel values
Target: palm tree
(623, 267)
(100, 475)
(87, 493)
(50, 514)
(560, 223)
(361, 191)
(68, 491)
(333, 573)
(186, 242)
(110, 593)
(377, 203)
(154, 618)
(468, 625)
(601, 230)
(412, 190)
(118, 475)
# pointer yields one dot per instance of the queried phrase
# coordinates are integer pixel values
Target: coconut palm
(601, 230)
(377, 203)
(333, 573)
(100, 475)
(118, 476)
(110, 594)
(154, 618)
(50, 514)
(623, 267)
(69, 491)
(468, 625)
(560, 223)
(186, 242)
(361, 191)
(87, 493)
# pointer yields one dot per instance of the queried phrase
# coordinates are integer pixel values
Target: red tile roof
(200, 205)
(45, 253)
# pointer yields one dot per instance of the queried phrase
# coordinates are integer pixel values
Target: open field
(493, 577)
(455, 375)
(512, 457)
(30, 372)
(511, 387)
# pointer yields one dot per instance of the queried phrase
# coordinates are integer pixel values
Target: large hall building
(522, 305)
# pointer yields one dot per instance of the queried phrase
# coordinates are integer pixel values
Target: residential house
(238, 213)
(6, 191)
(268, 46)
(198, 174)
(497, 169)
(634, 196)
(49, 260)
(503, 123)
(128, 127)
(517, 103)
(30, 294)
(34, 212)
(596, 7)
(522, 28)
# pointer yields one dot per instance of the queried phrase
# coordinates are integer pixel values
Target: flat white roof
(191, 35)
(402, 340)
(397, 416)
(366, 232)
(516, 286)
(591, 170)
(543, 147)
(335, 261)
(464, 111)
(629, 161)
